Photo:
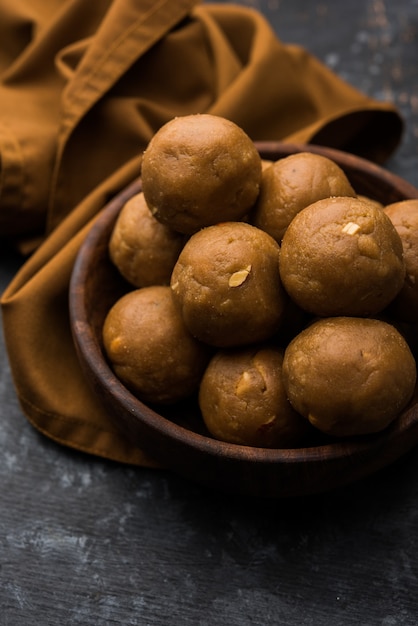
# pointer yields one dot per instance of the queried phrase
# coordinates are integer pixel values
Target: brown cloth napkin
(84, 85)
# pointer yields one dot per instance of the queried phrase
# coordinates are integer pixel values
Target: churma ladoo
(199, 170)
(150, 349)
(227, 285)
(342, 256)
(349, 376)
(233, 253)
(292, 183)
(243, 401)
(144, 250)
(404, 216)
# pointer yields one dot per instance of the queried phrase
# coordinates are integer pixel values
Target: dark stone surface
(84, 541)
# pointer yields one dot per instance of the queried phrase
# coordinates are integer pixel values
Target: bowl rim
(92, 354)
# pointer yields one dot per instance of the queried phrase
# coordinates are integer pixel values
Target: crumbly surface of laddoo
(144, 250)
(404, 216)
(227, 285)
(149, 347)
(349, 376)
(199, 170)
(376, 203)
(243, 400)
(292, 183)
(342, 256)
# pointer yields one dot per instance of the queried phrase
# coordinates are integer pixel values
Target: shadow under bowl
(175, 437)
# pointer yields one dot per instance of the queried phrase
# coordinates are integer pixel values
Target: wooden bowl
(176, 438)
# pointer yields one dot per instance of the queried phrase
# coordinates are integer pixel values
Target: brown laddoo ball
(199, 170)
(227, 285)
(144, 250)
(349, 376)
(342, 256)
(291, 184)
(150, 349)
(404, 216)
(243, 401)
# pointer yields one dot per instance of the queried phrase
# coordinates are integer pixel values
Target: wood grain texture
(87, 542)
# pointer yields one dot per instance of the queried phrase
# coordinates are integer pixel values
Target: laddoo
(404, 216)
(199, 170)
(149, 347)
(342, 256)
(143, 250)
(243, 401)
(292, 183)
(226, 284)
(348, 375)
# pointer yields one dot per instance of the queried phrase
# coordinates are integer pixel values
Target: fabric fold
(129, 29)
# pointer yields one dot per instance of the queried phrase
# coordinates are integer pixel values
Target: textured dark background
(84, 541)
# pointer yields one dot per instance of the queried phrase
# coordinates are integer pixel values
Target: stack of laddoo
(272, 292)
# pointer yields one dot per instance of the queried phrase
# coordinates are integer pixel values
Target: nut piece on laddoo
(243, 401)
(291, 184)
(342, 256)
(150, 349)
(404, 216)
(199, 170)
(349, 376)
(143, 250)
(227, 285)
